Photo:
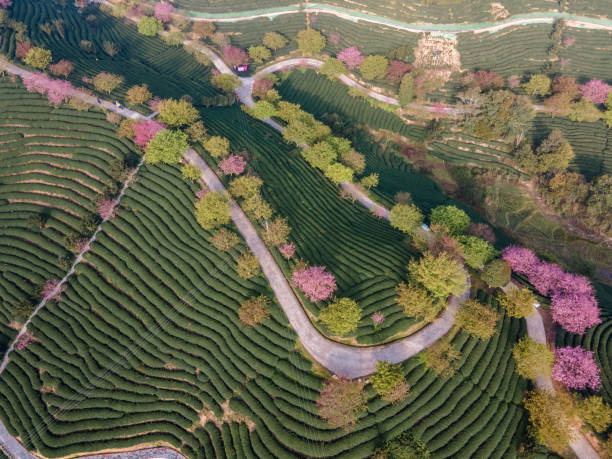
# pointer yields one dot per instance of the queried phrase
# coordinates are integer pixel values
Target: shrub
(332, 68)
(168, 146)
(137, 95)
(107, 82)
(218, 147)
(416, 302)
(550, 417)
(576, 368)
(224, 240)
(496, 273)
(274, 40)
(518, 303)
(389, 382)
(455, 219)
(310, 41)
(212, 210)
(477, 319)
(149, 26)
(287, 250)
(406, 90)
(316, 284)
(404, 446)
(374, 67)
(406, 217)
(595, 412)
(441, 357)
(177, 113)
(247, 266)
(440, 275)
(532, 359)
(38, 57)
(190, 172)
(341, 402)
(254, 311)
(341, 316)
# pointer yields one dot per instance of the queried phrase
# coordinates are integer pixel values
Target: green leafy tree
(224, 240)
(196, 132)
(190, 172)
(453, 218)
(256, 207)
(177, 113)
(440, 275)
(212, 210)
(477, 319)
(167, 147)
(277, 232)
(245, 186)
(584, 110)
(406, 90)
(550, 417)
(389, 381)
(404, 446)
(174, 38)
(218, 147)
(538, 85)
(370, 181)
(332, 68)
(254, 311)
(374, 67)
(595, 412)
(553, 155)
(107, 82)
(262, 109)
(496, 273)
(341, 316)
(310, 41)
(406, 217)
(338, 173)
(517, 302)
(149, 26)
(289, 112)
(137, 95)
(247, 266)
(203, 29)
(532, 359)
(354, 160)
(476, 251)
(274, 40)
(442, 358)
(38, 57)
(259, 54)
(416, 302)
(225, 82)
(304, 129)
(320, 155)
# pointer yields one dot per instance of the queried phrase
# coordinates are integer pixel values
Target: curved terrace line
(353, 15)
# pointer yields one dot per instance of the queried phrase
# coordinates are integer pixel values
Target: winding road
(339, 358)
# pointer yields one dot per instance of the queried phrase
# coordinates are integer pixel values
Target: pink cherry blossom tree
(235, 56)
(574, 312)
(22, 48)
(396, 70)
(520, 259)
(315, 282)
(545, 277)
(24, 340)
(576, 368)
(106, 208)
(144, 131)
(569, 41)
(200, 193)
(5, 3)
(232, 165)
(287, 250)
(351, 57)
(57, 91)
(154, 103)
(163, 12)
(378, 318)
(596, 91)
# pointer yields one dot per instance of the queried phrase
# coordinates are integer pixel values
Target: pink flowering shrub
(235, 56)
(596, 91)
(396, 70)
(564, 61)
(51, 290)
(316, 284)
(106, 209)
(57, 91)
(200, 193)
(514, 81)
(154, 103)
(232, 165)
(24, 340)
(334, 38)
(379, 212)
(569, 41)
(5, 3)
(576, 368)
(573, 303)
(81, 246)
(287, 250)
(144, 131)
(163, 12)
(351, 57)
(378, 318)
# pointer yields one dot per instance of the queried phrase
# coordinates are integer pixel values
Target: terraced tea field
(169, 71)
(55, 163)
